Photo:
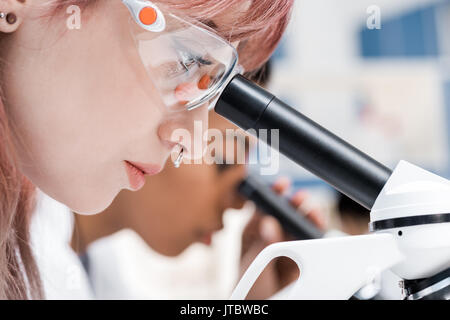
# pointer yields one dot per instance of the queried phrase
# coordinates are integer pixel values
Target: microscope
(409, 219)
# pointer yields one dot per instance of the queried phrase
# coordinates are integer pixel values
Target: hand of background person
(263, 230)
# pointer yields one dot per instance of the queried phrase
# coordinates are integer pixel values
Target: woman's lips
(137, 171)
(147, 169)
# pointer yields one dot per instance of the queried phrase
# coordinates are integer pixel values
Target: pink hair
(259, 29)
(19, 278)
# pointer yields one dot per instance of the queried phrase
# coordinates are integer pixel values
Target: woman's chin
(90, 205)
(80, 197)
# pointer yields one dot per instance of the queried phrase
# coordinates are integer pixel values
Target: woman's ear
(12, 14)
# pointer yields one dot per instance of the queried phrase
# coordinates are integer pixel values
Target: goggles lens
(188, 64)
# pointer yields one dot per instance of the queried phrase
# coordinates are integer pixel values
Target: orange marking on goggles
(148, 16)
(204, 82)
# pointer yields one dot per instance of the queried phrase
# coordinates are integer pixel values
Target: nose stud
(179, 159)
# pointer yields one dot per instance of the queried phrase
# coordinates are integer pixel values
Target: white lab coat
(122, 266)
(61, 271)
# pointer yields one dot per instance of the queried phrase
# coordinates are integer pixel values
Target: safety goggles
(187, 62)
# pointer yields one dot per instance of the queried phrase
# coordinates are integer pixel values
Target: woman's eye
(188, 63)
(188, 56)
(187, 60)
(172, 69)
(177, 68)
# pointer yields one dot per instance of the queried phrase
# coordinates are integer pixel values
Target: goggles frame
(149, 17)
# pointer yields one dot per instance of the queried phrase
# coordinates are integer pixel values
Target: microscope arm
(333, 268)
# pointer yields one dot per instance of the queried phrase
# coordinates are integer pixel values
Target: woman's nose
(187, 128)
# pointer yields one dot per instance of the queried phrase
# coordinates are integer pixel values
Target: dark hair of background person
(262, 75)
(351, 209)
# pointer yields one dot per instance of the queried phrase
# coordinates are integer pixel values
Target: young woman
(88, 111)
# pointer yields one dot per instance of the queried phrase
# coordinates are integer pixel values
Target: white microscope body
(410, 224)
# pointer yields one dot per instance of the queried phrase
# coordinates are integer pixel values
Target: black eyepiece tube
(313, 147)
(280, 208)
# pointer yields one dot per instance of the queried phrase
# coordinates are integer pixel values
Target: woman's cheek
(95, 196)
